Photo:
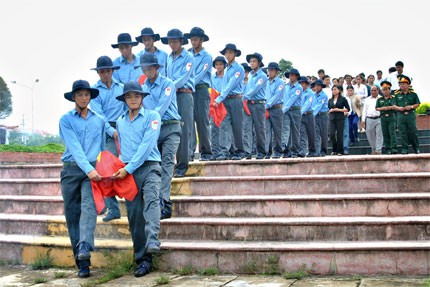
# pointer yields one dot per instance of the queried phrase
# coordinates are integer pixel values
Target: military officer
(388, 118)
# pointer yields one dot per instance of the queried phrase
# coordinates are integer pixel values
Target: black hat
(124, 38)
(132, 86)
(81, 84)
(319, 83)
(231, 47)
(219, 59)
(246, 67)
(274, 66)
(104, 62)
(197, 32)
(303, 79)
(148, 32)
(404, 79)
(292, 71)
(174, 34)
(258, 56)
(148, 59)
(386, 84)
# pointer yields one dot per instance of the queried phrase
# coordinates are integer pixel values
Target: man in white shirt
(372, 121)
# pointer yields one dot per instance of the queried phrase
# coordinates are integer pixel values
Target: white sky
(59, 42)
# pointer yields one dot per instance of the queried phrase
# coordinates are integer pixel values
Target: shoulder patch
(260, 81)
(205, 66)
(281, 87)
(237, 74)
(168, 91)
(189, 65)
(297, 92)
(154, 125)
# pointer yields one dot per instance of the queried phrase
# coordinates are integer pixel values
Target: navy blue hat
(292, 71)
(132, 86)
(174, 34)
(124, 38)
(219, 59)
(148, 59)
(148, 32)
(303, 79)
(104, 62)
(258, 56)
(197, 32)
(231, 47)
(319, 82)
(246, 67)
(274, 66)
(81, 84)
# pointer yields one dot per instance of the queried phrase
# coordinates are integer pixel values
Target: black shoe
(143, 269)
(221, 157)
(213, 157)
(165, 208)
(322, 154)
(84, 272)
(267, 157)
(301, 155)
(404, 151)
(293, 156)
(260, 156)
(417, 151)
(236, 157)
(110, 217)
(204, 158)
(179, 175)
(84, 251)
(334, 153)
(153, 248)
(248, 156)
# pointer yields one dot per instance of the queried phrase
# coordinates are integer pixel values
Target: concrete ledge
(29, 157)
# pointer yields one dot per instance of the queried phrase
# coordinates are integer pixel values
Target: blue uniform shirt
(275, 92)
(232, 81)
(256, 87)
(180, 70)
(308, 98)
(161, 57)
(126, 72)
(138, 138)
(217, 82)
(320, 104)
(161, 98)
(292, 96)
(202, 67)
(84, 138)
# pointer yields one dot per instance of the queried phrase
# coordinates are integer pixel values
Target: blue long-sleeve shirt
(84, 138)
(308, 98)
(320, 104)
(292, 96)
(180, 70)
(217, 82)
(275, 90)
(202, 67)
(256, 87)
(232, 81)
(126, 72)
(138, 138)
(161, 57)
(161, 98)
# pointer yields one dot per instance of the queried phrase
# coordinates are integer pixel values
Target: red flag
(107, 164)
(142, 79)
(219, 112)
(245, 107)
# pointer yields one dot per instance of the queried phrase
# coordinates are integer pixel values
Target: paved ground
(24, 276)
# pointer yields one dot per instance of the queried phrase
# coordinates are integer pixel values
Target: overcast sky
(59, 42)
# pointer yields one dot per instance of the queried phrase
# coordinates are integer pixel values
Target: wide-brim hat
(147, 60)
(78, 85)
(132, 86)
(219, 59)
(148, 32)
(386, 84)
(104, 62)
(319, 82)
(246, 67)
(258, 56)
(231, 47)
(197, 32)
(124, 38)
(174, 34)
(303, 79)
(292, 71)
(274, 66)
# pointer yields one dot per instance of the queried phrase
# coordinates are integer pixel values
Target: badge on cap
(154, 125)
(168, 91)
(189, 65)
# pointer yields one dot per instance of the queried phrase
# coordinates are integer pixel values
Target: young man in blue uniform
(126, 61)
(320, 110)
(148, 38)
(307, 128)
(138, 132)
(83, 134)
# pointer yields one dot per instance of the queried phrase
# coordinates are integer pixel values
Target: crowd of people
(154, 109)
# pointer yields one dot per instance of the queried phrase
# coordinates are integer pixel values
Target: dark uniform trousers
(234, 118)
(258, 113)
(274, 122)
(201, 118)
(307, 133)
(408, 130)
(112, 202)
(186, 111)
(388, 125)
(321, 133)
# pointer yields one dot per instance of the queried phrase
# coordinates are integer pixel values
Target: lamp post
(32, 100)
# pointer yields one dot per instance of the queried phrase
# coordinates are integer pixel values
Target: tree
(5, 100)
(284, 65)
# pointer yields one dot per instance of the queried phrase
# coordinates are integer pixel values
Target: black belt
(184, 90)
(113, 124)
(74, 164)
(388, 115)
(321, 113)
(295, 108)
(256, 102)
(201, 86)
(408, 112)
(276, 106)
(168, 122)
(373, 118)
(234, 96)
(308, 112)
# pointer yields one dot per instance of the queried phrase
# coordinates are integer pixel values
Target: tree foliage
(285, 65)
(5, 100)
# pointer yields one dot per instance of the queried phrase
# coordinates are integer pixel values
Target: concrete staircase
(334, 215)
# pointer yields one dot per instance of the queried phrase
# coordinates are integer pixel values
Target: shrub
(424, 108)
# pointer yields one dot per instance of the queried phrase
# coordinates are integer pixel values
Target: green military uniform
(388, 124)
(407, 119)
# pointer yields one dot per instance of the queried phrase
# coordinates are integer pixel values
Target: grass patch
(250, 267)
(184, 270)
(39, 280)
(42, 261)
(4, 262)
(162, 280)
(272, 267)
(210, 271)
(48, 148)
(59, 274)
(427, 283)
(298, 274)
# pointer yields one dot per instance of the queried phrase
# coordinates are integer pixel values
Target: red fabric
(142, 79)
(245, 107)
(218, 113)
(106, 165)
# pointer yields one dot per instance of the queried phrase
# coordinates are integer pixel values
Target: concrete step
(30, 170)
(320, 258)
(378, 204)
(32, 204)
(30, 186)
(242, 229)
(303, 184)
